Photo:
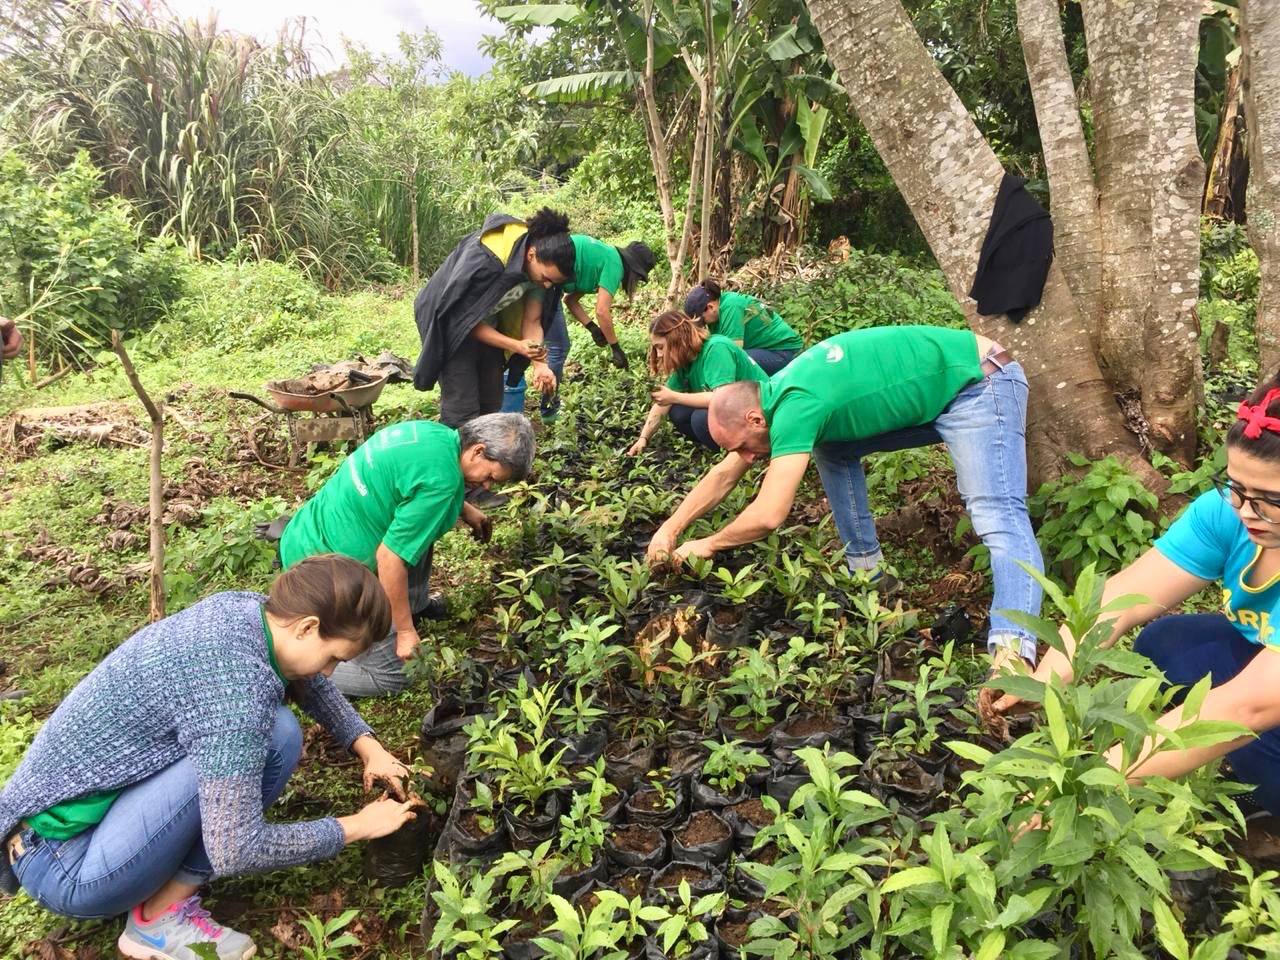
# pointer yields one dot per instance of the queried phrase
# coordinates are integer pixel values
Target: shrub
(224, 552)
(867, 290)
(238, 305)
(70, 260)
(1100, 518)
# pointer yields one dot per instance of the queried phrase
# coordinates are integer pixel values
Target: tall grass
(226, 144)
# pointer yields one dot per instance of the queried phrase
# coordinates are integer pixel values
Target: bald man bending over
(883, 388)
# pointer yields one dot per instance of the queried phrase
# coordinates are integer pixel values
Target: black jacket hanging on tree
(1016, 253)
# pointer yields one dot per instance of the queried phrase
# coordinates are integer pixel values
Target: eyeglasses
(1267, 508)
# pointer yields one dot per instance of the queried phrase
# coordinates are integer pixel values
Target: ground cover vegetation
(759, 754)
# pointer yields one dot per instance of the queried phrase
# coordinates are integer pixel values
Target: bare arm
(666, 395)
(1152, 575)
(574, 302)
(492, 337)
(1250, 699)
(531, 329)
(604, 314)
(764, 514)
(394, 577)
(651, 422)
(706, 494)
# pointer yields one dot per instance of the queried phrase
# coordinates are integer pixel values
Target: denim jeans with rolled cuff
(984, 429)
(150, 835)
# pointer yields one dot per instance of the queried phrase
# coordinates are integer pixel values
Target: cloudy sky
(374, 23)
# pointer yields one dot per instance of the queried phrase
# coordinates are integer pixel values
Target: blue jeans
(771, 361)
(556, 337)
(692, 423)
(1190, 646)
(379, 671)
(984, 429)
(151, 835)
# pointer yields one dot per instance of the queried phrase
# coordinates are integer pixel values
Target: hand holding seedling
(542, 377)
(695, 548)
(664, 395)
(479, 522)
(661, 548)
(533, 349)
(379, 818)
(637, 448)
(407, 642)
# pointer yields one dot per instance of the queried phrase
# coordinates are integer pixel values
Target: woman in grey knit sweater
(152, 776)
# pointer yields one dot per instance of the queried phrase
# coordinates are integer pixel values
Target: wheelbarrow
(345, 413)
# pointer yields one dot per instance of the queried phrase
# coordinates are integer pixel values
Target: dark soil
(734, 932)
(746, 729)
(728, 618)
(636, 839)
(630, 885)
(768, 855)
(771, 907)
(804, 726)
(754, 812)
(703, 827)
(649, 800)
(671, 879)
(469, 823)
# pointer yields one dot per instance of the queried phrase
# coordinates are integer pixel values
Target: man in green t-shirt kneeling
(879, 389)
(387, 505)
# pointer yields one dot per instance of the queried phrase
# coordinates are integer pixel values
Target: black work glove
(597, 335)
(619, 358)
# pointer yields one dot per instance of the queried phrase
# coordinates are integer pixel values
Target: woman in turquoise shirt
(1229, 536)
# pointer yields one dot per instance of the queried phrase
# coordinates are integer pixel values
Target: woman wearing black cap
(747, 322)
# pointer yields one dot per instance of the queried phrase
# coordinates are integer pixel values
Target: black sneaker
(436, 608)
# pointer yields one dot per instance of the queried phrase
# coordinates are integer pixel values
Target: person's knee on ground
(375, 673)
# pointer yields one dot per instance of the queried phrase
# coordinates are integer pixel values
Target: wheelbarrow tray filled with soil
(315, 393)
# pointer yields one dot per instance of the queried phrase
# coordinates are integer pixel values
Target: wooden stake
(156, 413)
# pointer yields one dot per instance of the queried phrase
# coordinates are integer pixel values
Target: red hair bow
(1257, 416)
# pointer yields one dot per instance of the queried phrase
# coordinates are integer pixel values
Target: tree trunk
(1224, 187)
(156, 481)
(780, 234)
(413, 213)
(949, 177)
(658, 148)
(696, 176)
(1118, 34)
(1077, 235)
(1260, 40)
(710, 140)
(1171, 376)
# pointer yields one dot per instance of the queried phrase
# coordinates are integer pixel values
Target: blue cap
(695, 304)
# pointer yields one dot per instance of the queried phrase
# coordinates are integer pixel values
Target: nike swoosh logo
(157, 942)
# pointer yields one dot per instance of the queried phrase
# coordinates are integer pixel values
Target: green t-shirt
(402, 487)
(745, 318)
(867, 382)
(720, 361)
(596, 265)
(73, 817)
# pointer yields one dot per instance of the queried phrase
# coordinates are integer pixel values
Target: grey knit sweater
(197, 684)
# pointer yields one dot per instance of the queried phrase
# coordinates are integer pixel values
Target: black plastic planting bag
(707, 797)
(702, 878)
(714, 850)
(398, 858)
(744, 828)
(463, 842)
(640, 807)
(573, 878)
(707, 950)
(626, 761)
(530, 829)
(623, 856)
(685, 753)
(810, 732)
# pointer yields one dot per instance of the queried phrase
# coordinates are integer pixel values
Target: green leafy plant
(739, 587)
(1101, 518)
(328, 939)
(929, 703)
(580, 715)
(524, 775)
(633, 916)
(468, 926)
(594, 936)
(530, 875)
(728, 765)
(582, 829)
(685, 925)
